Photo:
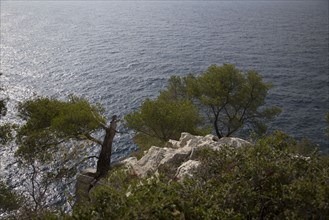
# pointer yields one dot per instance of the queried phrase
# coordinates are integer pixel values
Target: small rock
(187, 169)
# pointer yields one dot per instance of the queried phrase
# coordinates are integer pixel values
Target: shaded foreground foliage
(9, 199)
(270, 180)
(54, 139)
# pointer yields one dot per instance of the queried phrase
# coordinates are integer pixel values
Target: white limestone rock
(177, 157)
(179, 152)
(187, 169)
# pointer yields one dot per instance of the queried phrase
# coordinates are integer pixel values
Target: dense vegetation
(51, 122)
(270, 180)
(228, 100)
(9, 199)
(276, 178)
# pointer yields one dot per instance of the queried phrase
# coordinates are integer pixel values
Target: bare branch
(93, 139)
(101, 123)
(76, 164)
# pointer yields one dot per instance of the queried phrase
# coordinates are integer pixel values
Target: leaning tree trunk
(104, 160)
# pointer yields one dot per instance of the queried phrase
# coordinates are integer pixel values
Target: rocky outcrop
(177, 157)
(178, 154)
(82, 187)
(186, 169)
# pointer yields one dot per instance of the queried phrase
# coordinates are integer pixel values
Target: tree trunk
(217, 130)
(216, 127)
(104, 160)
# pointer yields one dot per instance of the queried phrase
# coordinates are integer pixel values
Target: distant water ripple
(119, 53)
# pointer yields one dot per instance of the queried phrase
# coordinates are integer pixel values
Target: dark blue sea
(118, 53)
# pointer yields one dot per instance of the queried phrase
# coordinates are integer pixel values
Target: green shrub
(266, 181)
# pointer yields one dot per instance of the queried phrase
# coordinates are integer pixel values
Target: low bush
(270, 180)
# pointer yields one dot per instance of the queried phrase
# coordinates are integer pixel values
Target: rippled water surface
(119, 53)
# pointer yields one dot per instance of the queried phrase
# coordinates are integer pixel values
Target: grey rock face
(84, 179)
(178, 152)
(178, 156)
(186, 169)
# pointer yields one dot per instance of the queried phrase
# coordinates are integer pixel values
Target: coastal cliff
(176, 158)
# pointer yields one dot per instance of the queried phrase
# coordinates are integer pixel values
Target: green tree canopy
(232, 100)
(164, 118)
(54, 140)
(50, 122)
